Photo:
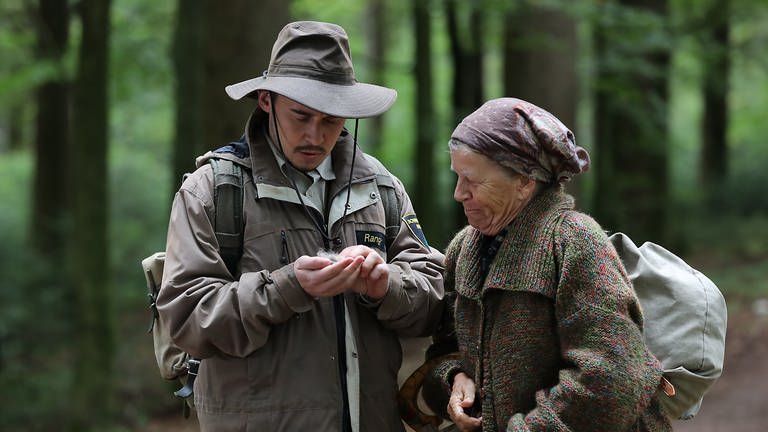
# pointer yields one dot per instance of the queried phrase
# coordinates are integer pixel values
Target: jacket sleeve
(413, 302)
(204, 308)
(609, 376)
(443, 352)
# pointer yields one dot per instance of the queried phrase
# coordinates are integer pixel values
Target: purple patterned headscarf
(524, 138)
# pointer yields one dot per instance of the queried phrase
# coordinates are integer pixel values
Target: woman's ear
(527, 188)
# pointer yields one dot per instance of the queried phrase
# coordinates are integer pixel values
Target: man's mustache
(310, 148)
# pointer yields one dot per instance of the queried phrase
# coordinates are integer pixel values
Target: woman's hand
(462, 397)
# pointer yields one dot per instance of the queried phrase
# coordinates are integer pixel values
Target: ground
(737, 402)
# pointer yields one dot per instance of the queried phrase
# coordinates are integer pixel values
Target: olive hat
(312, 65)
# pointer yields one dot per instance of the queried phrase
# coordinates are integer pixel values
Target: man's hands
(321, 277)
(359, 269)
(462, 397)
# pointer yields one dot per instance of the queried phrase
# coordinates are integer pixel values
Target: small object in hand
(333, 256)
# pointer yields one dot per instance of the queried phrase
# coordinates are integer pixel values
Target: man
(304, 335)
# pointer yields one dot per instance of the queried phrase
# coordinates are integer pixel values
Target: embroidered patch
(415, 227)
(372, 239)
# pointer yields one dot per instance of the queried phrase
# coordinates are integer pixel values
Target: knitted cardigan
(553, 336)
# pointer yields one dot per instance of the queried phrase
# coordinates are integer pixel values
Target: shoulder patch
(415, 227)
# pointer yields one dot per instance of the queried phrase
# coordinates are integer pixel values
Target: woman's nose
(459, 192)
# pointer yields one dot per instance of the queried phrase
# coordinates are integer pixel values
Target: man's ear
(265, 101)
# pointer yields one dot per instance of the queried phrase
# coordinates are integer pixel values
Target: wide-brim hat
(312, 65)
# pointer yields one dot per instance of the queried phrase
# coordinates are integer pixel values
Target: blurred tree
(632, 157)
(19, 72)
(376, 53)
(16, 120)
(540, 50)
(714, 122)
(424, 165)
(235, 39)
(91, 401)
(540, 55)
(51, 140)
(239, 38)
(465, 33)
(188, 43)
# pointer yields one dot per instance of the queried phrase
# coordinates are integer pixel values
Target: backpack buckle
(667, 387)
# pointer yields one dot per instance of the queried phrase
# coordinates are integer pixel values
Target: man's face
(307, 136)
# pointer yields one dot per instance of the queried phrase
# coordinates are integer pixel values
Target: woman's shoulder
(576, 225)
(454, 246)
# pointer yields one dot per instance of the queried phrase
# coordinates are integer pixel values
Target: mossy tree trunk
(49, 194)
(631, 127)
(91, 401)
(466, 36)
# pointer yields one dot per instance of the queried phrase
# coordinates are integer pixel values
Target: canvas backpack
(685, 319)
(175, 364)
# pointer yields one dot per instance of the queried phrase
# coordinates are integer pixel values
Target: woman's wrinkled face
(491, 195)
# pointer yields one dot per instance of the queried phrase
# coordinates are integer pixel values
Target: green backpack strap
(389, 198)
(391, 211)
(228, 200)
(228, 226)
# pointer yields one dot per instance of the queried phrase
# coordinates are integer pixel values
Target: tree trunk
(376, 53)
(540, 55)
(17, 121)
(631, 162)
(714, 124)
(424, 163)
(239, 39)
(467, 49)
(49, 197)
(217, 44)
(94, 348)
(188, 43)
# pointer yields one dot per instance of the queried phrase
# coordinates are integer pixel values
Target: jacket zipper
(284, 258)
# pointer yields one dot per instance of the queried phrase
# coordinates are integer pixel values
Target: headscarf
(523, 138)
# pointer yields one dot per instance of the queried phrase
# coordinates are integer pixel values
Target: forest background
(105, 104)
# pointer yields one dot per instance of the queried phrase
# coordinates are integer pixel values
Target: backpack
(684, 326)
(175, 364)
(172, 362)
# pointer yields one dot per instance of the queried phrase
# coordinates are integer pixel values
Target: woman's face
(491, 195)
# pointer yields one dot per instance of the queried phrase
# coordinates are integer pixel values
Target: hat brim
(345, 101)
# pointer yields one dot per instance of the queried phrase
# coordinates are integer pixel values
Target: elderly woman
(548, 327)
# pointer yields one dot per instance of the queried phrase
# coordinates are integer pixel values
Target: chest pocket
(276, 234)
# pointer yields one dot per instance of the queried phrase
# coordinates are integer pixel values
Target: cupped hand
(321, 277)
(374, 272)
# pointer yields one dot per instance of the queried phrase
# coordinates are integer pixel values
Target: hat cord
(321, 228)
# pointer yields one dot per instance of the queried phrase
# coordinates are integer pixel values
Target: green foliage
(34, 360)
(731, 250)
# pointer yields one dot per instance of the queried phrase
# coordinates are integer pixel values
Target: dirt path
(737, 402)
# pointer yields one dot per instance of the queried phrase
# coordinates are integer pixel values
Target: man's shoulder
(199, 183)
(236, 151)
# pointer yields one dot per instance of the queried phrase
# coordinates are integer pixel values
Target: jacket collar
(525, 258)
